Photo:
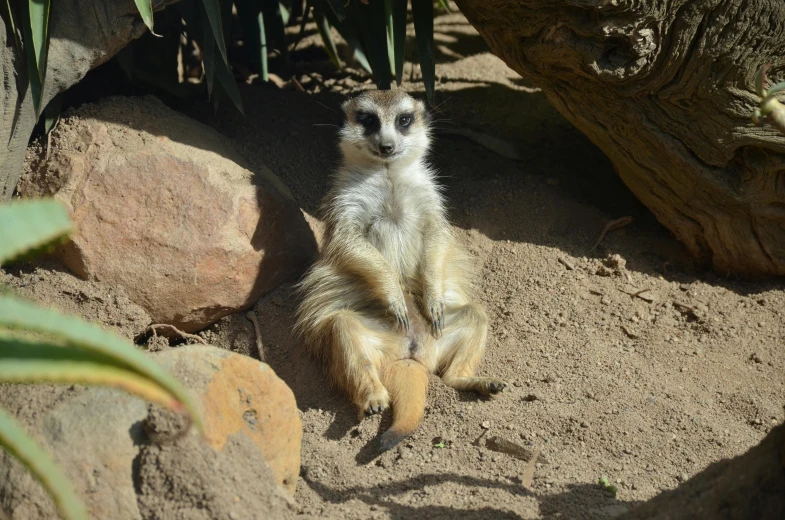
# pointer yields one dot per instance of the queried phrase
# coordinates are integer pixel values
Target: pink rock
(164, 209)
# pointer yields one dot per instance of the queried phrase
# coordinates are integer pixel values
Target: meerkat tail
(407, 382)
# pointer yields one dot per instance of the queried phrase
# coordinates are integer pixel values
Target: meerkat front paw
(397, 308)
(434, 311)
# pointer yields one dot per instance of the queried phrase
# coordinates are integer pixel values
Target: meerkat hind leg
(356, 356)
(461, 348)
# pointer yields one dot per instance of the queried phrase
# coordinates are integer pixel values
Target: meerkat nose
(386, 149)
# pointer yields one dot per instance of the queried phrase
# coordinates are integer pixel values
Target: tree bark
(83, 35)
(665, 89)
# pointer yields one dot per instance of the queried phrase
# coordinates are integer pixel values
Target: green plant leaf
(16, 314)
(8, 17)
(145, 8)
(445, 4)
(32, 360)
(214, 69)
(35, 35)
(52, 113)
(422, 12)
(349, 34)
(337, 7)
(399, 36)
(19, 444)
(779, 87)
(327, 37)
(31, 224)
(265, 71)
(285, 14)
(212, 11)
(370, 20)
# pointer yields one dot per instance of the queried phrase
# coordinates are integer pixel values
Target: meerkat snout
(386, 126)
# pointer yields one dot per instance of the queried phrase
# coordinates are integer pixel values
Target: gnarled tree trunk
(84, 34)
(665, 89)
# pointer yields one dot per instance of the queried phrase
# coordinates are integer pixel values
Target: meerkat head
(385, 126)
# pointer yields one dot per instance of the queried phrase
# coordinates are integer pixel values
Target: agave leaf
(16, 441)
(31, 224)
(275, 28)
(388, 20)
(370, 20)
(760, 78)
(8, 16)
(285, 14)
(86, 373)
(52, 113)
(337, 7)
(212, 12)
(347, 31)
(422, 12)
(263, 47)
(35, 37)
(16, 314)
(779, 87)
(327, 37)
(145, 8)
(399, 36)
(445, 4)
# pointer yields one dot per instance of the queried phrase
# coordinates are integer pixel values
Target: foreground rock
(247, 468)
(165, 211)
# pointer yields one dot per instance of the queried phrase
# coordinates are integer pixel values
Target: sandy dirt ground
(624, 360)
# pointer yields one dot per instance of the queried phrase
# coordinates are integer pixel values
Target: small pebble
(486, 425)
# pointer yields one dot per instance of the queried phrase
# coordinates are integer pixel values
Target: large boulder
(123, 461)
(165, 210)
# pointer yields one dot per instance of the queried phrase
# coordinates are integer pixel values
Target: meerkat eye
(405, 120)
(367, 120)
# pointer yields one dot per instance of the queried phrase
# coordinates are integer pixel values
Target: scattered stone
(756, 358)
(615, 261)
(603, 271)
(486, 425)
(502, 445)
(529, 398)
(165, 210)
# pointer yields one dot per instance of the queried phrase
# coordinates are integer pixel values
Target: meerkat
(387, 302)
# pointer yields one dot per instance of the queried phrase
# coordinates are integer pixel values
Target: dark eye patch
(369, 122)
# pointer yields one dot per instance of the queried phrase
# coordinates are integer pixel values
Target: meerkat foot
(481, 385)
(376, 403)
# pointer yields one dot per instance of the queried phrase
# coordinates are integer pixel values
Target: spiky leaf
(35, 36)
(30, 225)
(422, 13)
(399, 36)
(145, 8)
(19, 315)
(212, 12)
(327, 37)
(19, 444)
(370, 21)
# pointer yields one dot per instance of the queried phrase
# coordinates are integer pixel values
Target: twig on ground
(177, 331)
(527, 478)
(566, 263)
(251, 315)
(610, 226)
